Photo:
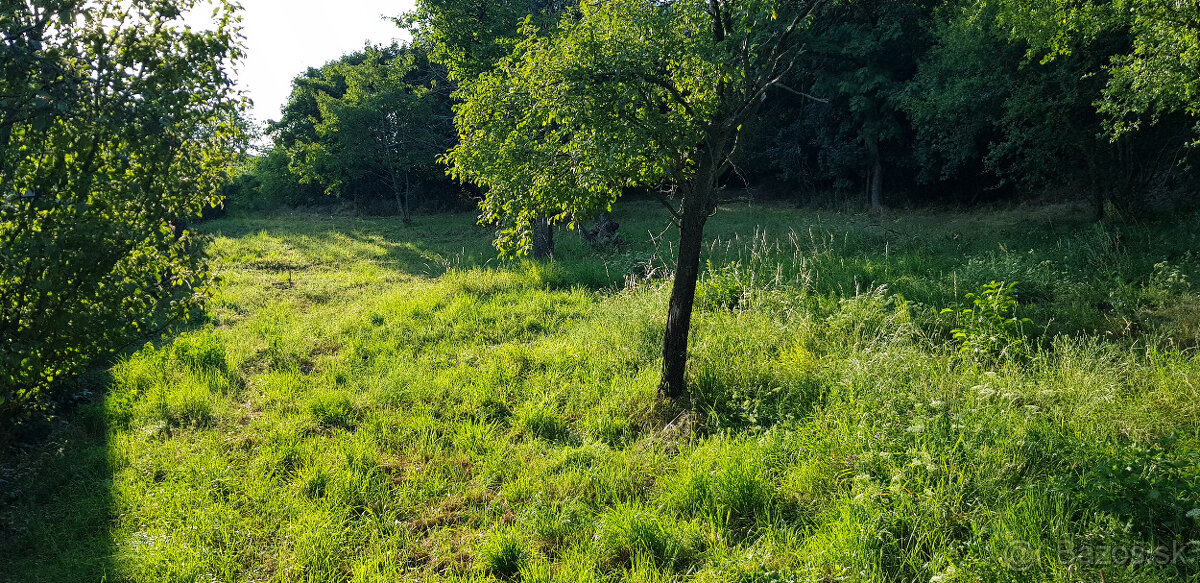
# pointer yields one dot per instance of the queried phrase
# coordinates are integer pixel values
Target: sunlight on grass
(377, 402)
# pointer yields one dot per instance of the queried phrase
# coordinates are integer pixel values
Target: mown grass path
(375, 402)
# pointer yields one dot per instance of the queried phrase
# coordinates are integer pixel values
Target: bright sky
(285, 37)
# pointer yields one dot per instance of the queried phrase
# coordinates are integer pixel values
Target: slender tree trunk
(673, 384)
(406, 212)
(401, 192)
(543, 239)
(876, 175)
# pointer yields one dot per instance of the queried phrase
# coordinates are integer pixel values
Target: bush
(990, 330)
(98, 182)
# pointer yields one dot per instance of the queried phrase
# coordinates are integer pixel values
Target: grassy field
(368, 401)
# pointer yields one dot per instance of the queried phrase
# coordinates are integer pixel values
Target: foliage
(1154, 76)
(990, 329)
(390, 124)
(861, 56)
(621, 95)
(978, 107)
(117, 126)
(368, 126)
(722, 288)
(539, 132)
(469, 37)
(265, 182)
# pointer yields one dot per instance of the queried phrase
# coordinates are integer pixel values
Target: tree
(469, 37)
(369, 125)
(1156, 75)
(977, 101)
(625, 93)
(117, 124)
(861, 56)
(387, 127)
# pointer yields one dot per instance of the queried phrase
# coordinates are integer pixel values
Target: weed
(628, 534)
(542, 422)
(331, 408)
(990, 330)
(201, 351)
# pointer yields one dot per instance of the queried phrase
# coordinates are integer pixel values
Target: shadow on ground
(56, 498)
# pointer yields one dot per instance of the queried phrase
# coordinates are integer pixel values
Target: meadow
(365, 400)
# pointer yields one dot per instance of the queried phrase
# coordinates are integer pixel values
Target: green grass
(370, 401)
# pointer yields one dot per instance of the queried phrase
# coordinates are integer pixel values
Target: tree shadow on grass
(56, 500)
(427, 248)
(57, 506)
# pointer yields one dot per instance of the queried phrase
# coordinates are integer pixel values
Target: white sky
(285, 37)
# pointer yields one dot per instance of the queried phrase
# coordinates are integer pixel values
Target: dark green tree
(117, 125)
(369, 126)
(979, 105)
(861, 56)
(1155, 74)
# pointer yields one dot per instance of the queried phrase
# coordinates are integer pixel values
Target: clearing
(368, 401)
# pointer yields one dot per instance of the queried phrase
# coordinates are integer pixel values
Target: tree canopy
(1158, 73)
(368, 126)
(468, 37)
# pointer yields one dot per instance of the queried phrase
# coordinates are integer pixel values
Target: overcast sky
(285, 37)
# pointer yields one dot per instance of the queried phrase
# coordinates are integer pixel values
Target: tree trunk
(673, 384)
(401, 194)
(543, 239)
(600, 231)
(876, 175)
(407, 212)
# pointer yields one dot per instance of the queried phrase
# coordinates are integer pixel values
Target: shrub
(722, 288)
(990, 330)
(98, 182)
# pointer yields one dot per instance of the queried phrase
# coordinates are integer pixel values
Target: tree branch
(800, 93)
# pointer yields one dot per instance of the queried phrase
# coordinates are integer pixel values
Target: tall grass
(373, 402)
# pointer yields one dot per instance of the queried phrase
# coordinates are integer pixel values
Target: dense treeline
(367, 127)
(890, 103)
